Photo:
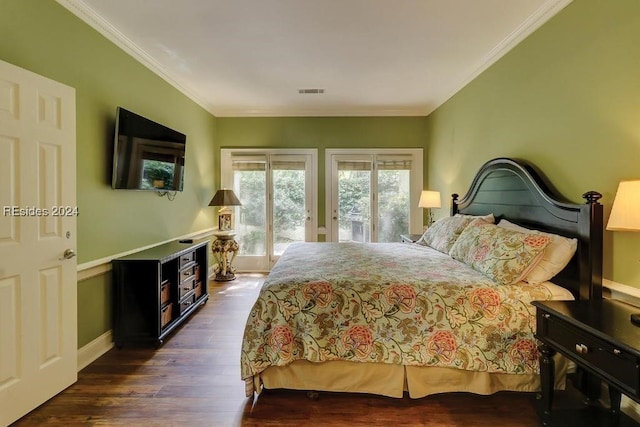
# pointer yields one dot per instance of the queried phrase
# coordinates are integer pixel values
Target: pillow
(555, 258)
(501, 254)
(442, 234)
(488, 218)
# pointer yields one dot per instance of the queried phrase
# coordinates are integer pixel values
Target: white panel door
(38, 300)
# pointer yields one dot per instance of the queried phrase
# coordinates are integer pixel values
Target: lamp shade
(625, 213)
(429, 199)
(224, 197)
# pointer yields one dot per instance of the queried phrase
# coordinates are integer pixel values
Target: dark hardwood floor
(194, 380)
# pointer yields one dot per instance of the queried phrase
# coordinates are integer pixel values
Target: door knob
(68, 254)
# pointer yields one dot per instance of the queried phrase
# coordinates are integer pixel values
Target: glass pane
(393, 204)
(354, 210)
(289, 214)
(250, 187)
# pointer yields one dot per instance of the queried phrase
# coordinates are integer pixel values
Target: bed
(441, 316)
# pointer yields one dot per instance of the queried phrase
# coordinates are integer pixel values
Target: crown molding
(90, 17)
(321, 112)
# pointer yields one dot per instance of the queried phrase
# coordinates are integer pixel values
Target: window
(277, 189)
(373, 194)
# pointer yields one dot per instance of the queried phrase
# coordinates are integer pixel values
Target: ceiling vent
(310, 91)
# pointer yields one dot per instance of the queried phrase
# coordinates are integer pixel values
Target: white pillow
(487, 218)
(556, 255)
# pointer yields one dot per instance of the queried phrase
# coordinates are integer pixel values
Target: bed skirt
(395, 380)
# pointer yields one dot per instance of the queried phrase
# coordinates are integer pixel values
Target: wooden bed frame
(515, 190)
(510, 189)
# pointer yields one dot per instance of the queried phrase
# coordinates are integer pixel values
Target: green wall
(43, 37)
(94, 308)
(321, 133)
(566, 99)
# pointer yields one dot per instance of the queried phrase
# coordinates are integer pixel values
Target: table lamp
(224, 247)
(223, 198)
(429, 199)
(625, 215)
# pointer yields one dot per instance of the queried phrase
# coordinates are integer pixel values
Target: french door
(373, 194)
(277, 189)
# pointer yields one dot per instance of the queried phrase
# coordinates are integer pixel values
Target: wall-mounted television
(146, 154)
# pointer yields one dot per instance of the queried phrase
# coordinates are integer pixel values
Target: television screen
(146, 154)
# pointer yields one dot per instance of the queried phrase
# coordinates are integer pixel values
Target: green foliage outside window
(289, 197)
(393, 202)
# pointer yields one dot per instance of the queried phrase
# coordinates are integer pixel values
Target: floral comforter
(388, 303)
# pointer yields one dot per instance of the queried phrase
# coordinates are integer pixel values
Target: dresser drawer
(619, 366)
(186, 287)
(187, 258)
(187, 302)
(188, 273)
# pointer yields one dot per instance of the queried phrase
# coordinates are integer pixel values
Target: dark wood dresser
(600, 338)
(155, 290)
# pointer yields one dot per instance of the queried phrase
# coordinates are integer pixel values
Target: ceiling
(239, 58)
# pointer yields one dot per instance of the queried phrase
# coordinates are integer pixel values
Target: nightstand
(410, 238)
(599, 337)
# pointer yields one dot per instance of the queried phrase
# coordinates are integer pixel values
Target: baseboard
(619, 291)
(627, 406)
(96, 348)
(631, 408)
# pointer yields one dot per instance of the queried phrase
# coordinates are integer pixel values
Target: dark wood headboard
(515, 190)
